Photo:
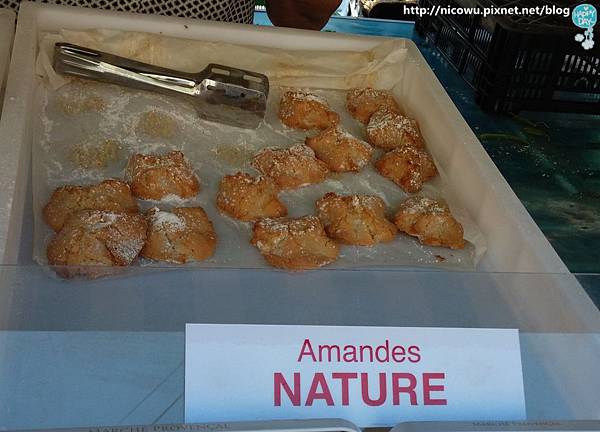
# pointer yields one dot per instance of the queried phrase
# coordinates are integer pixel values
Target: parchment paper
(216, 150)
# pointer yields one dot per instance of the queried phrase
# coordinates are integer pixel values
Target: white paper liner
(216, 150)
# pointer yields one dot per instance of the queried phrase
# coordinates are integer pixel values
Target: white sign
(372, 376)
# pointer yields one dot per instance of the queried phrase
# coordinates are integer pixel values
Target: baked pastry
(389, 130)
(248, 198)
(155, 177)
(408, 167)
(91, 240)
(430, 221)
(291, 167)
(363, 102)
(294, 244)
(355, 219)
(110, 195)
(304, 110)
(181, 236)
(339, 150)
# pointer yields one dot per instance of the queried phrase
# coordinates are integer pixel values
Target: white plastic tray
(7, 32)
(514, 241)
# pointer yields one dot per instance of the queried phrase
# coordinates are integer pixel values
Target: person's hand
(304, 14)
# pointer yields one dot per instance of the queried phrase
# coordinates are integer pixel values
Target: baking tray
(514, 242)
(7, 31)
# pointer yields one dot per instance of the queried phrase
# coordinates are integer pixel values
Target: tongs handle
(88, 63)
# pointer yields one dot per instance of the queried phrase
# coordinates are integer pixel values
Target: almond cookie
(355, 219)
(363, 102)
(294, 244)
(304, 110)
(248, 198)
(292, 167)
(339, 150)
(408, 167)
(430, 221)
(180, 236)
(155, 177)
(92, 240)
(110, 195)
(389, 130)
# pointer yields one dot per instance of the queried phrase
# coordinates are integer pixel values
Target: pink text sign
(372, 376)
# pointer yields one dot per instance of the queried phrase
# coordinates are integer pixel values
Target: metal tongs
(219, 93)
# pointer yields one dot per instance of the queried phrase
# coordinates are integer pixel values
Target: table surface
(553, 167)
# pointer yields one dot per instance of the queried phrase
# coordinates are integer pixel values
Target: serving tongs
(219, 93)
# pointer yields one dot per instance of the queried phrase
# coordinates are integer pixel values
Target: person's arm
(305, 14)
